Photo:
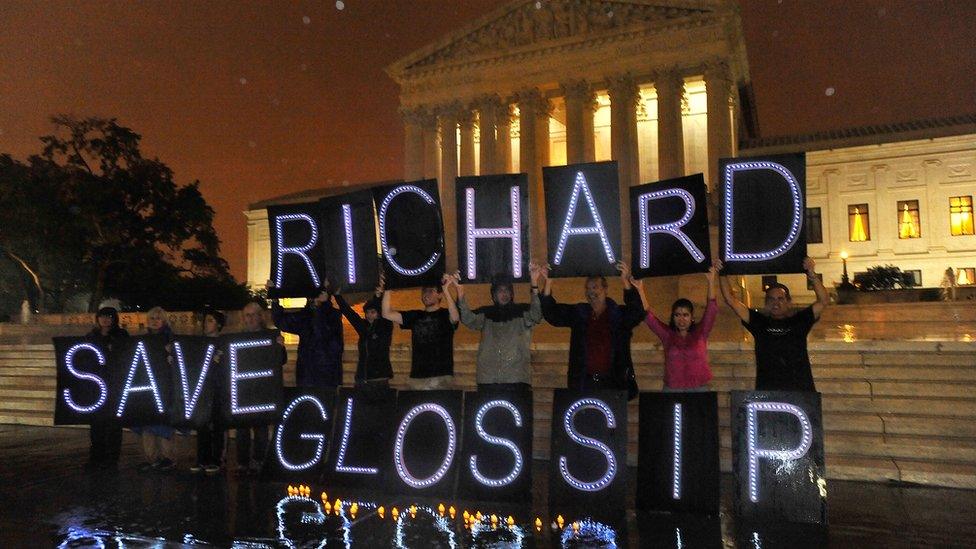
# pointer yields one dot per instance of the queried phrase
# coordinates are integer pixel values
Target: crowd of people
(599, 358)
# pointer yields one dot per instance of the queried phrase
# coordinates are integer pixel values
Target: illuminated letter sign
(669, 227)
(497, 451)
(319, 438)
(344, 445)
(192, 402)
(81, 394)
(349, 250)
(425, 442)
(253, 376)
(763, 210)
(593, 190)
(494, 224)
(407, 232)
(296, 257)
(678, 464)
(362, 438)
(589, 450)
(777, 456)
(143, 361)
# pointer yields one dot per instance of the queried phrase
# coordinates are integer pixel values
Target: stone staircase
(893, 410)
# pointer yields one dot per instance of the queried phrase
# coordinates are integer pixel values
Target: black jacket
(319, 331)
(374, 343)
(623, 320)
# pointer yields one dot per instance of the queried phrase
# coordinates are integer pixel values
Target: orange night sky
(257, 99)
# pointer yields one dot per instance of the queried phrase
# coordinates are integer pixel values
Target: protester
(431, 338)
(599, 344)
(504, 353)
(210, 437)
(782, 362)
(319, 329)
(157, 440)
(685, 341)
(373, 368)
(106, 434)
(252, 442)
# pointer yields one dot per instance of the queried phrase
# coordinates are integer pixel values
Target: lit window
(908, 220)
(858, 226)
(961, 215)
(814, 226)
(966, 276)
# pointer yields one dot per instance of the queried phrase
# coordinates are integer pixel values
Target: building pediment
(530, 24)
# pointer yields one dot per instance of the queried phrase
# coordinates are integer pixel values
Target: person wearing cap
(504, 353)
(373, 368)
(106, 434)
(319, 329)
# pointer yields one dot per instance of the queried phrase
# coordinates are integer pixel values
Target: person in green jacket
(504, 354)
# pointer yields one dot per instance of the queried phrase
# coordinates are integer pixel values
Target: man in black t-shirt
(431, 338)
(782, 362)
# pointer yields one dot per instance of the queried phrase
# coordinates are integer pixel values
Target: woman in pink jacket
(685, 341)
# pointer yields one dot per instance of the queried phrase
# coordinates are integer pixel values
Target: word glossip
(339, 238)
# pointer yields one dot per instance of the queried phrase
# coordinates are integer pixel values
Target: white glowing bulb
(141, 356)
(69, 358)
(756, 453)
(340, 466)
(387, 253)
(319, 438)
(401, 467)
(795, 225)
(300, 251)
(588, 442)
(350, 250)
(236, 376)
(512, 447)
(676, 466)
(190, 399)
(673, 228)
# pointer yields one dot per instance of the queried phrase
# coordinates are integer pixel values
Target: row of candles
(470, 519)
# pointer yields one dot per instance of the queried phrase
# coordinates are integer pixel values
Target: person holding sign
(780, 332)
(106, 434)
(157, 440)
(210, 439)
(432, 335)
(255, 438)
(373, 368)
(504, 354)
(319, 330)
(599, 344)
(685, 342)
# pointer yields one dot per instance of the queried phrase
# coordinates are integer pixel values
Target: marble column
(534, 111)
(579, 121)
(503, 140)
(624, 94)
(488, 107)
(466, 121)
(448, 117)
(590, 107)
(718, 85)
(432, 153)
(413, 145)
(670, 87)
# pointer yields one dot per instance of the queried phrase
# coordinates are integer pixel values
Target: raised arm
(733, 302)
(818, 288)
(471, 319)
(358, 323)
(447, 281)
(385, 310)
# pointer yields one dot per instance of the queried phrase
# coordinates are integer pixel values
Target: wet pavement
(46, 499)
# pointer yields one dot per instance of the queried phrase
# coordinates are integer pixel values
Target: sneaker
(164, 464)
(212, 469)
(146, 465)
(197, 468)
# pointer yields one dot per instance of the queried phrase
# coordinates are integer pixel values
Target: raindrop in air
(340, 5)
(829, 91)
(306, 19)
(243, 81)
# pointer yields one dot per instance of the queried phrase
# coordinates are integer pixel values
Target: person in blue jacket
(319, 330)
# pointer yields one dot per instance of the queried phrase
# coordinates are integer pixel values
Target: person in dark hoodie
(210, 437)
(319, 330)
(373, 368)
(599, 346)
(106, 434)
(157, 440)
(504, 353)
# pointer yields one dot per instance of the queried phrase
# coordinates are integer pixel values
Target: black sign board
(582, 219)
(493, 227)
(301, 437)
(195, 369)
(426, 439)
(588, 459)
(297, 265)
(678, 453)
(497, 464)
(763, 201)
(252, 376)
(778, 456)
(140, 384)
(362, 438)
(349, 245)
(83, 378)
(669, 227)
(411, 233)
